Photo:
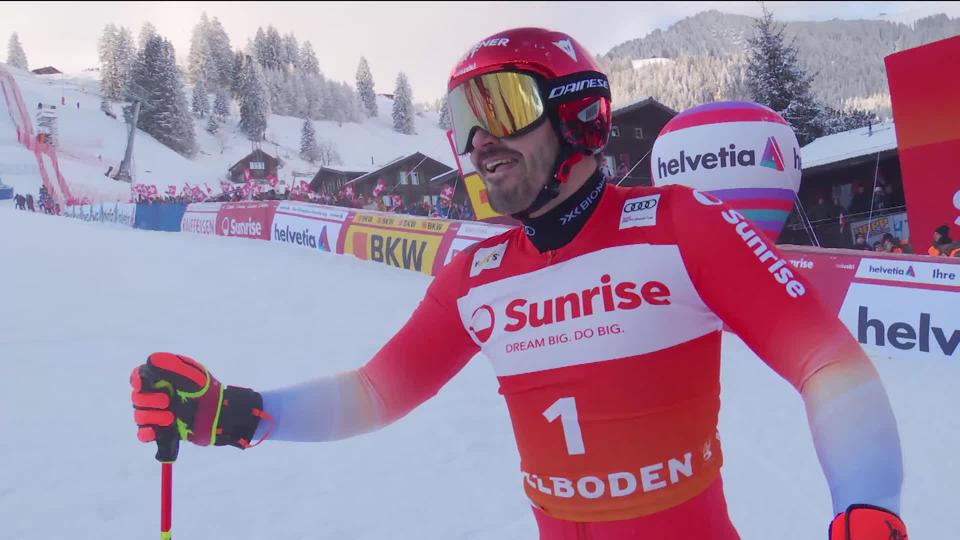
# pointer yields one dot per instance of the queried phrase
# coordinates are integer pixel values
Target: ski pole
(166, 499)
(168, 445)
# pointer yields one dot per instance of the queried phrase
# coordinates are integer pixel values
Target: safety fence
(413, 243)
(897, 306)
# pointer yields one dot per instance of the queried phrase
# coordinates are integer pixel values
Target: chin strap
(566, 159)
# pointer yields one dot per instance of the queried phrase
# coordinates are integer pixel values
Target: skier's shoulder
(466, 267)
(657, 208)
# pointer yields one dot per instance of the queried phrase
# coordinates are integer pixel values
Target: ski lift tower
(131, 114)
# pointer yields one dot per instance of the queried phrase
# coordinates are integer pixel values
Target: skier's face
(514, 169)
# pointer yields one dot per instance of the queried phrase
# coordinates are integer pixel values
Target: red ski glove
(865, 522)
(175, 398)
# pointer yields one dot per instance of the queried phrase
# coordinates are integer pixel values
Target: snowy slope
(84, 303)
(90, 141)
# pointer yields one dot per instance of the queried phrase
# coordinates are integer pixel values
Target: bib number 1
(566, 410)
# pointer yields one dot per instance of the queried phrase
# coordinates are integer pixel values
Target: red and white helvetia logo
(605, 298)
(232, 227)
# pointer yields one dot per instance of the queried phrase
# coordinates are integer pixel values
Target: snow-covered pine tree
(116, 53)
(222, 54)
(317, 96)
(200, 58)
(200, 105)
(163, 113)
(445, 122)
(221, 105)
(365, 88)
(274, 48)
(212, 125)
(290, 52)
(308, 141)
(259, 46)
(276, 86)
(254, 100)
(236, 74)
(147, 31)
(298, 99)
(106, 48)
(308, 60)
(776, 79)
(333, 104)
(15, 55)
(125, 53)
(403, 112)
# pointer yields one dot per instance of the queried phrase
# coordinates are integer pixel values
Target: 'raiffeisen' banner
(924, 88)
(396, 240)
(200, 218)
(308, 225)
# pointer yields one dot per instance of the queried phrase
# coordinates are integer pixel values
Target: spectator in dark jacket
(943, 245)
(861, 201)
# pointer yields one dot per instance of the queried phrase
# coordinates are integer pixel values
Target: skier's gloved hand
(865, 522)
(176, 398)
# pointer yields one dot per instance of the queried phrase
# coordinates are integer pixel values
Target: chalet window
(637, 133)
(615, 131)
(257, 165)
(414, 178)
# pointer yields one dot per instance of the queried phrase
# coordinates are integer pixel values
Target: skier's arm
(412, 367)
(758, 295)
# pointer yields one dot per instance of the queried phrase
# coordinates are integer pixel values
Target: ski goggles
(502, 104)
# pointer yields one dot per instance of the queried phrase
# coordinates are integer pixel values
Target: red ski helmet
(510, 82)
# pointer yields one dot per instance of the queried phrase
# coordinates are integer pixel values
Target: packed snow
(84, 303)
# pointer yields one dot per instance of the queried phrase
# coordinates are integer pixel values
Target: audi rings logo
(640, 204)
(481, 324)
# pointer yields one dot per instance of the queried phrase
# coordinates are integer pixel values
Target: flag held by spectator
(171, 191)
(378, 189)
(447, 193)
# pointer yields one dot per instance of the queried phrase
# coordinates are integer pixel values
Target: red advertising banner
(924, 85)
(246, 219)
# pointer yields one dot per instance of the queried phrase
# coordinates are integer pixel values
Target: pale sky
(423, 39)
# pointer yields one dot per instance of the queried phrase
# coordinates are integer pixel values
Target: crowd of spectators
(43, 203)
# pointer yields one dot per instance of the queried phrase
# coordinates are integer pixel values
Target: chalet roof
(419, 156)
(642, 103)
(849, 145)
(250, 157)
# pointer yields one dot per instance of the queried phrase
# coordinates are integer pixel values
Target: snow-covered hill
(90, 141)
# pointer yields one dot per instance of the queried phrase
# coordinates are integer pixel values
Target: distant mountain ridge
(709, 49)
